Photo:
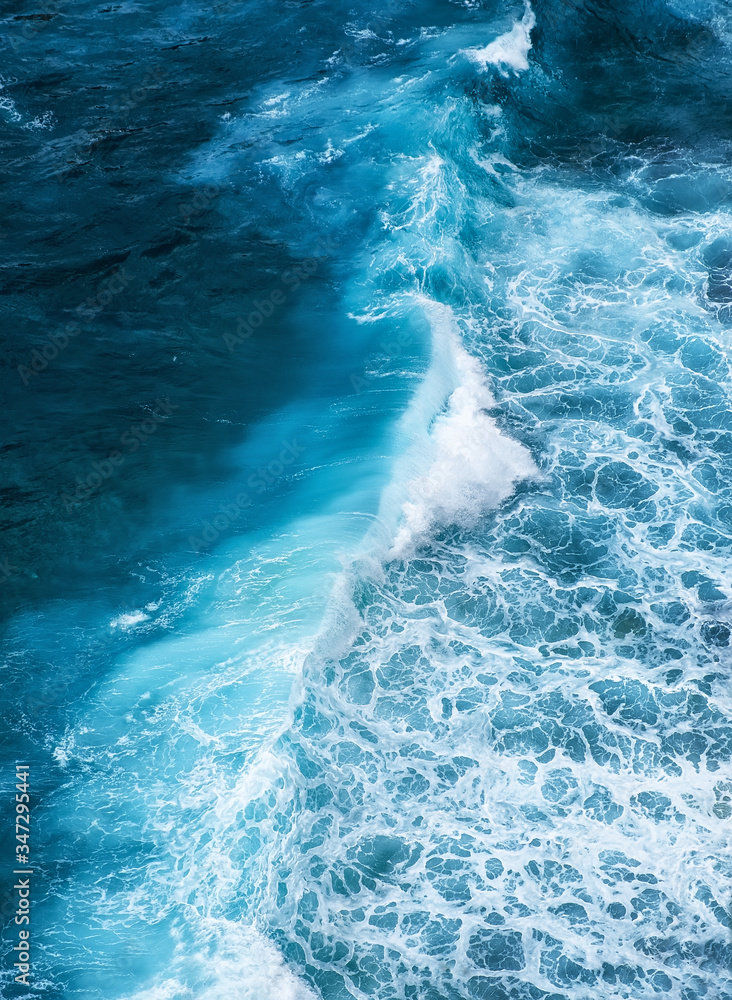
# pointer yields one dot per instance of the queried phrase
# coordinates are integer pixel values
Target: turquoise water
(367, 586)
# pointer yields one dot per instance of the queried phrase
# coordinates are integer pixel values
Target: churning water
(367, 566)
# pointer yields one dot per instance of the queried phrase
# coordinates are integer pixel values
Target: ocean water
(366, 575)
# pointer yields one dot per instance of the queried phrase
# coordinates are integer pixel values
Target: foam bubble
(509, 51)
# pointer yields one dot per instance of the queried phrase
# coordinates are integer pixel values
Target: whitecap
(509, 51)
(129, 620)
(470, 465)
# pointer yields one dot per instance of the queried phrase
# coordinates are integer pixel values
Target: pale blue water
(367, 584)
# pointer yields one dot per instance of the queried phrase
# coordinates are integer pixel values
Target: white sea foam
(249, 967)
(7, 104)
(129, 620)
(469, 465)
(509, 51)
(170, 989)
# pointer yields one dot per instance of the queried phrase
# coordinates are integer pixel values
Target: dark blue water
(367, 483)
